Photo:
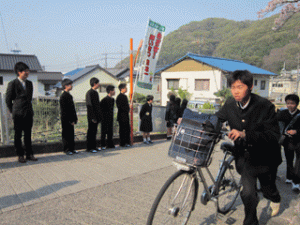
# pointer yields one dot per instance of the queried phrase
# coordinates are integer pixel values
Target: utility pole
(297, 78)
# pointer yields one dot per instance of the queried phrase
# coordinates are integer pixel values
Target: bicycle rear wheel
(176, 200)
(229, 186)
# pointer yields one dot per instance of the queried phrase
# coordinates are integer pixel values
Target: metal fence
(47, 124)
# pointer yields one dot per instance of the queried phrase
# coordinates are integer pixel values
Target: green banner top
(157, 26)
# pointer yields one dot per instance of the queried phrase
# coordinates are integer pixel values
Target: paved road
(110, 187)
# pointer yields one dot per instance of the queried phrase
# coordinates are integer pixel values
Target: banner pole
(131, 91)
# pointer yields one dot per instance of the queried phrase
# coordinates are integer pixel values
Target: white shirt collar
(292, 113)
(246, 105)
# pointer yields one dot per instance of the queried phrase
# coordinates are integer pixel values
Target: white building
(202, 76)
(41, 80)
(81, 81)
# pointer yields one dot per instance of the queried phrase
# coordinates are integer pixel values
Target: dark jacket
(67, 108)
(123, 108)
(146, 118)
(93, 106)
(261, 127)
(285, 117)
(19, 100)
(107, 107)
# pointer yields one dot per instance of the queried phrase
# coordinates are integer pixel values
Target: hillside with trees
(253, 42)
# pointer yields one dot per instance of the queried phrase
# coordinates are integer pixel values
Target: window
(255, 83)
(263, 85)
(202, 85)
(173, 83)
(102, 88)
(1, 80)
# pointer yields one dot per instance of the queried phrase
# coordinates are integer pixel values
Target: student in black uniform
(254, 128)
(68, 117)
(123, 116)
(107, 107)
(94, 115)
(146, 120)
(291, 143)
(18, 100)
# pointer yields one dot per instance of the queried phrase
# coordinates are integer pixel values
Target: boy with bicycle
(254, 129)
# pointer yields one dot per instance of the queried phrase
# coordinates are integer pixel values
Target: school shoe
(296, 187)
(75, 152)
(93, 151)
(69, 153)
(150, 142)
(103, 148)
(275, 206)
(146, 142)
(21, 159)
(288, 181)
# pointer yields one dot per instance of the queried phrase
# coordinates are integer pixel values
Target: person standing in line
(19, 102)
(170, 116)
(255, 132)
(107, 107)
(146, 120)
(123, 116)
(291, 143)
(94, 115)
(68, 118)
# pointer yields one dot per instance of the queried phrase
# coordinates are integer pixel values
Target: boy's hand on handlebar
(235, 134)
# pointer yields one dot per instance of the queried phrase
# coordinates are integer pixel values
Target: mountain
(253, 42)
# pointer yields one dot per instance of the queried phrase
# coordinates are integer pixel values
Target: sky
(65, 35)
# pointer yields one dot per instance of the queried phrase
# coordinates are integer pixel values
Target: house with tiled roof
(42, 81)
(202, 76)
(81, 81)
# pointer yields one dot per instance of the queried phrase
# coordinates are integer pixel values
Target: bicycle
(191, 148)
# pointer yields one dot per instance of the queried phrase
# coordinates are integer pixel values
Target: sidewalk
(110, 187)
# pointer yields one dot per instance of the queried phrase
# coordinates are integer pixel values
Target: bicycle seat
(227, 146)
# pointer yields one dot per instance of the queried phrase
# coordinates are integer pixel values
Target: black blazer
(67, 108)
(285, 117)
(19, 100)
(123, 108)
(93, 106)
(262, 130)
(107, 107)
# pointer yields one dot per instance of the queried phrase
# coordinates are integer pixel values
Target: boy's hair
(292, 97)
(149, 97)
(110, 88)
(172, 98)
(94, 81)
(121, 86)
(20, 67)
(243, 75)
(65, 82)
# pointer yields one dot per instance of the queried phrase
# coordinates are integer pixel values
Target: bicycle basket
(194, 141)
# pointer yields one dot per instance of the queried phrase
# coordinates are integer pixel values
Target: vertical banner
(149, 54)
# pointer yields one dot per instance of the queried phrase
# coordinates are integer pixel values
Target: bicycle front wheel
(229, 186)
(176, 200)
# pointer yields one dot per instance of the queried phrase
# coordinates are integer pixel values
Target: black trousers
(107, 131)
(91, 136)
(292, 170)
(23, 124)
(67, 136)
(124, 131)
(249, 175)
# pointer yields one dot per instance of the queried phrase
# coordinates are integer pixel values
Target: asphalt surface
(115, 186)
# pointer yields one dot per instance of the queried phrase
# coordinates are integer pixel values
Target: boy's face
(124, 90)
(68, 87)
(112, 93)
(24, 74)
(291, 105)
(240, 91)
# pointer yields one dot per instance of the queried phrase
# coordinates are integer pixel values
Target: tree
(183, 94)
(224, 94)
(288, 9)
